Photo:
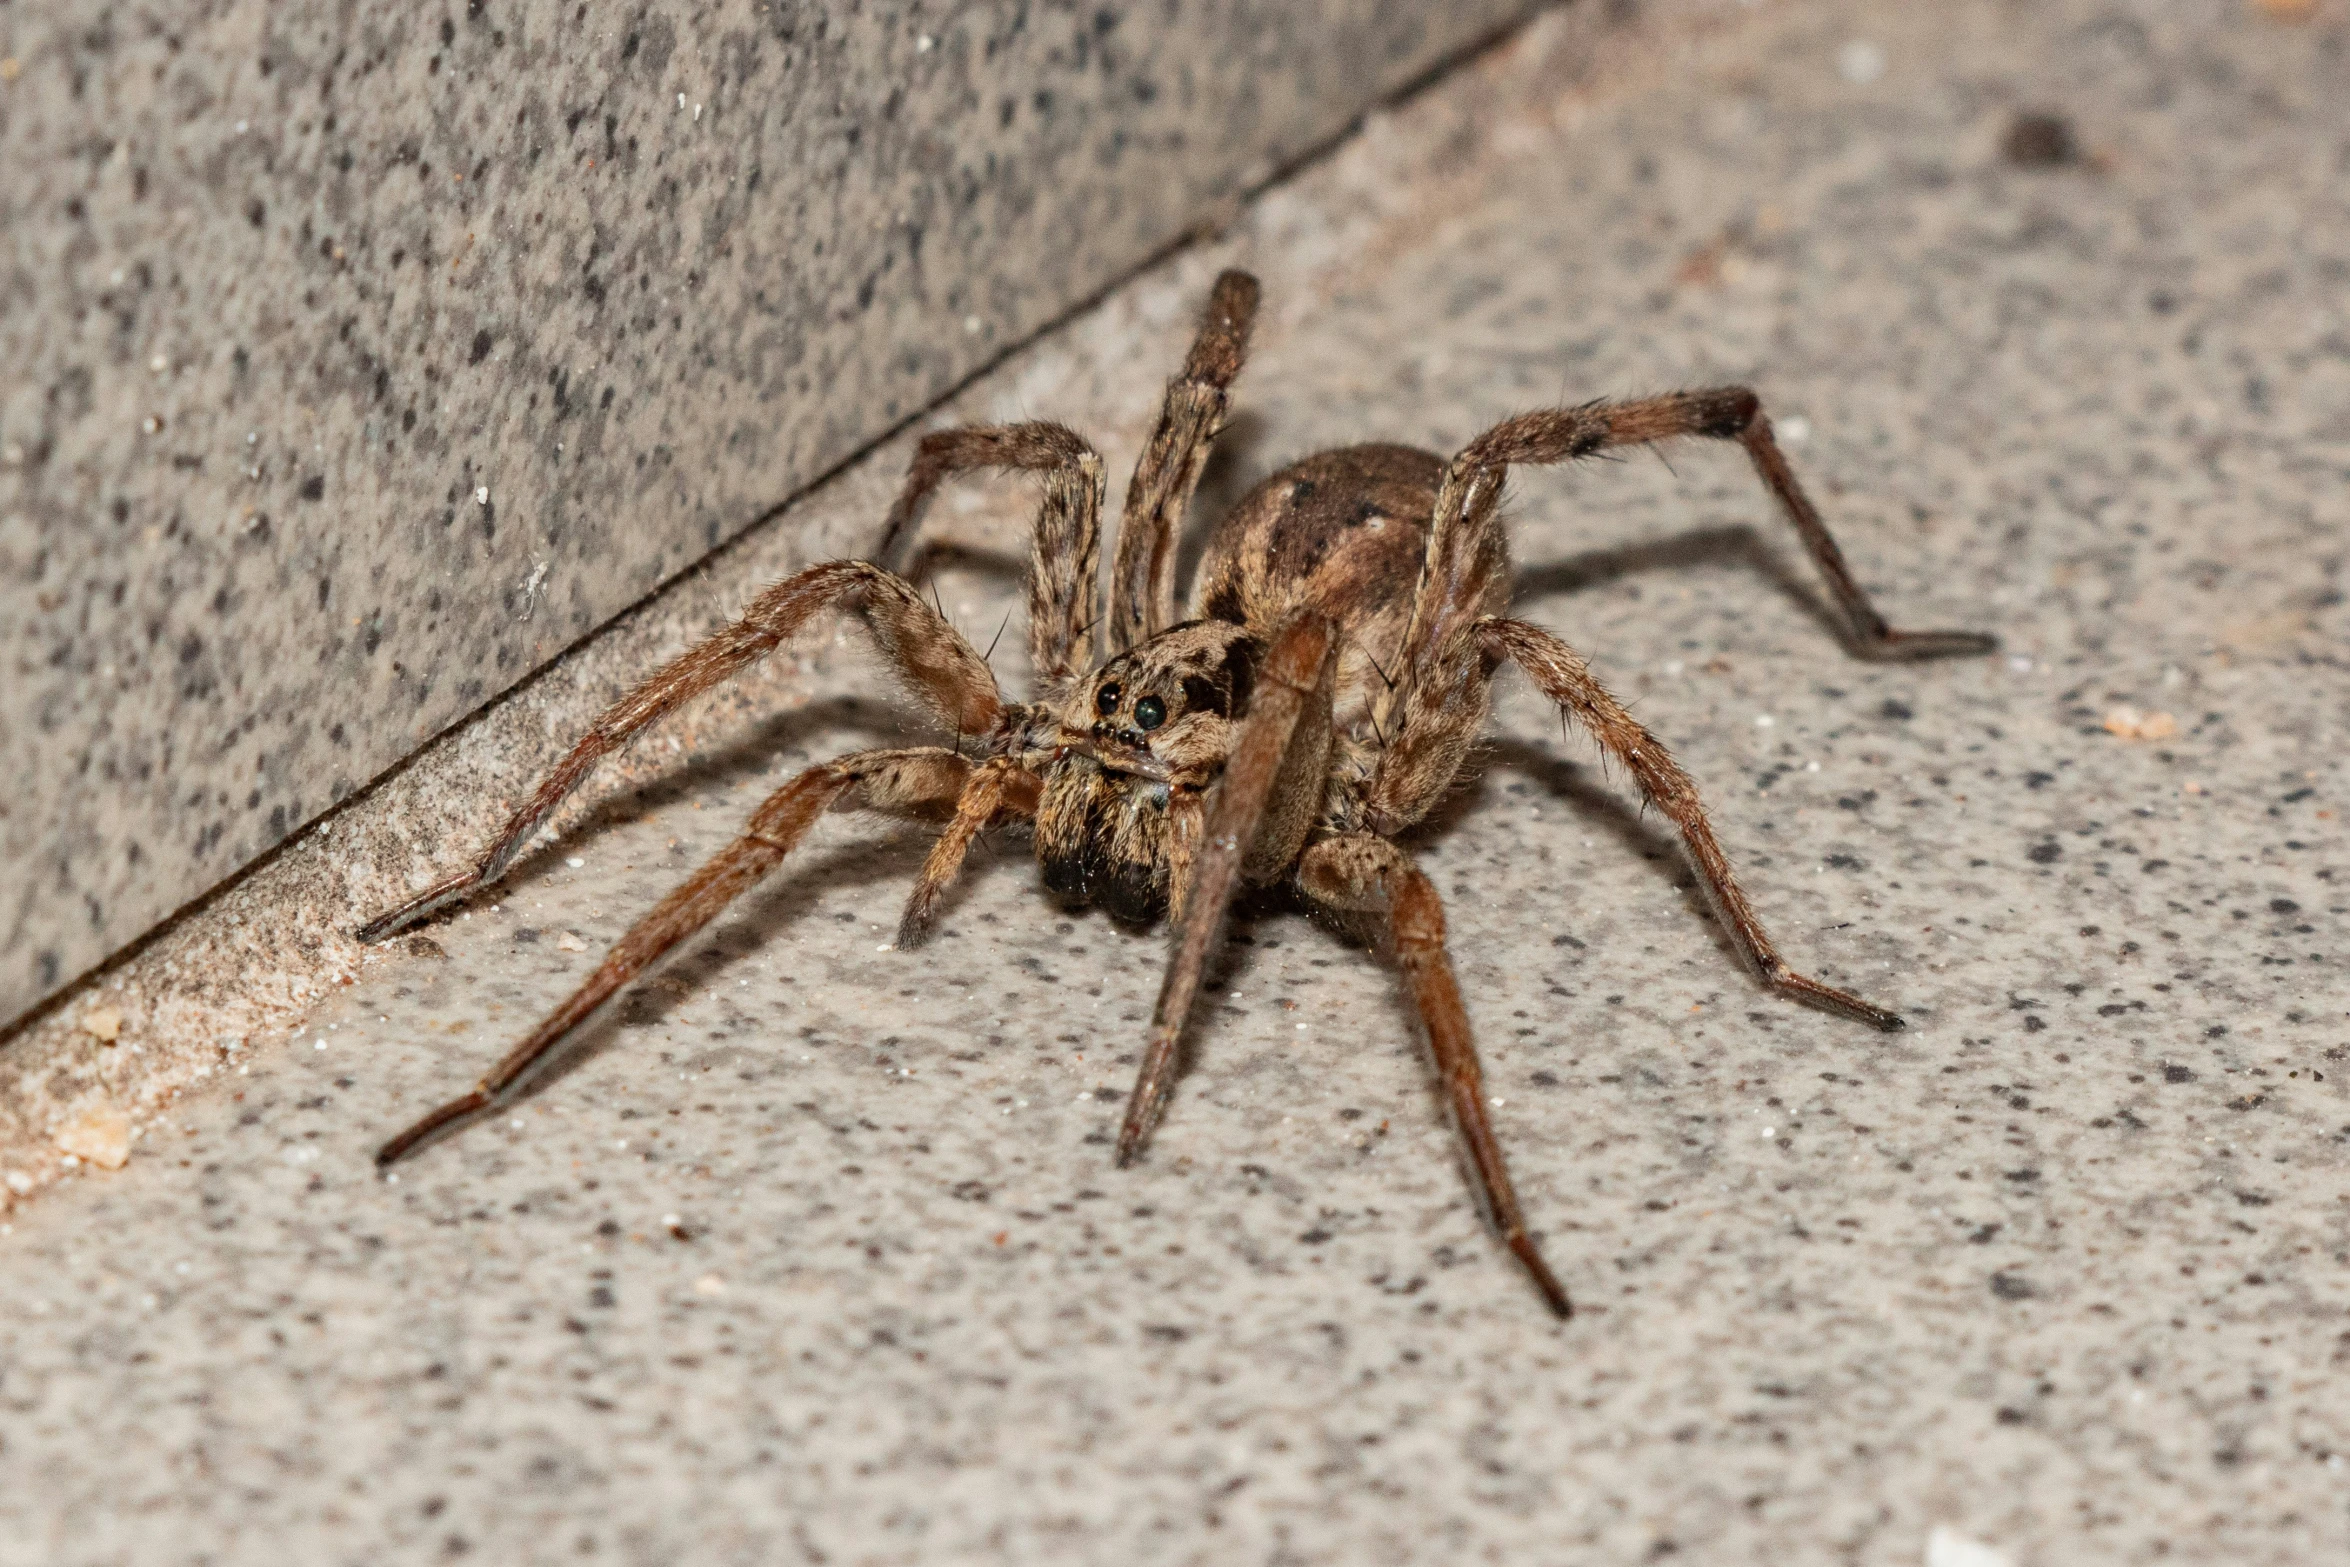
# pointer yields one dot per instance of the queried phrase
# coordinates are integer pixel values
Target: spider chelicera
(1347, 623)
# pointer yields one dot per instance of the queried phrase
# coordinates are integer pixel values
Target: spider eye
(1106, 701)
(1149, 713)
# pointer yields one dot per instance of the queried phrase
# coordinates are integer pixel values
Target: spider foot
(1828, 998)
(423, 1131)
(396, 920)
(1907, 647)
(1554, 1294)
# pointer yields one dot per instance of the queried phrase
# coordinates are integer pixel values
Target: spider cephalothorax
(1348, 621)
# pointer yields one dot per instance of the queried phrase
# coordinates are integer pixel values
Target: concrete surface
(363, 357)
(817, 1253)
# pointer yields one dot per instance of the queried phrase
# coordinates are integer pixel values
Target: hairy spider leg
(1359, 873)
(1000, 787)
(906, 781)
(935, 661)
(1255, 822)
(1562, 675)
(1064, 558)
(1142, 574)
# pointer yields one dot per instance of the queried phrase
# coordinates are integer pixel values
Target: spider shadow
(801, 881)
(746, 755)
(1604, 809)
(698, 965)
(932, 555)
(1725, 543)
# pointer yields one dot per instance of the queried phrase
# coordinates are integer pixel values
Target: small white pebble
(924, 43)
(972, 325)
(1946, 1547)
(681, 100)
(1860, 62)
(481, 495)
(241, 124)
(1763, 720)
(575, 862)
(320, 1045)
(697, 111)
(1498, 1101)
(1794, 430)
(2020, 664)
(1770, 1131)
(1811, 767)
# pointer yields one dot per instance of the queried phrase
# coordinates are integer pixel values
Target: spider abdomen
(1343, 532)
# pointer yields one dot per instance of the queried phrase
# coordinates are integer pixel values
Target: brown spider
(1339, 664)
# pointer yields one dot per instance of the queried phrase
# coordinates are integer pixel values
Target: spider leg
(998, 788)
(1562, 676)
(887, 780)
(931, 655)
(1065, 546)
(1361, 873)
(1142, 575)
(1263, 807)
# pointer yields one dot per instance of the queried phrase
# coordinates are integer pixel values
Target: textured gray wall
(362, 357)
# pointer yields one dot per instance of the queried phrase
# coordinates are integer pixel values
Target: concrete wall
(363, 357)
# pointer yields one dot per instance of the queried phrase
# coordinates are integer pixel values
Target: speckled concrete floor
(818, 1254)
